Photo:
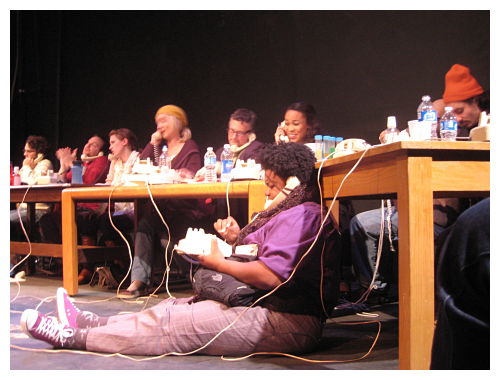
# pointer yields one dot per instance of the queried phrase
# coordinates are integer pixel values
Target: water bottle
(227, 164)
(391, 132)
(164, 160)
(426, 112)
(449, 125)
(331, 148)
(210, 161)
(76, 172)
(318, 147)
(16, 180)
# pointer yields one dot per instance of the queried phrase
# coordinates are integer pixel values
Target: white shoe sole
(61, 311)
(27, 315)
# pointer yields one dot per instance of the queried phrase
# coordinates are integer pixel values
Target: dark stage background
(76, 73)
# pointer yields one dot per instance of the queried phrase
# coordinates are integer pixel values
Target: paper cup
(420, 130)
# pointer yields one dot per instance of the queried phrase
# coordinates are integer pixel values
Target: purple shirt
(287, 236)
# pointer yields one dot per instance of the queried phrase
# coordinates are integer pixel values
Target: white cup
(420, 130)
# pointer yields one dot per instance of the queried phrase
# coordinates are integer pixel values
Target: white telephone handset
(39, 157)
(283, 138)
(84, 157)
(291, 183)
(156, 138)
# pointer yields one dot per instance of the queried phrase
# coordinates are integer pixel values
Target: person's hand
(227, 228)
(156, 138)
(66, 157)
(382, 137)
(200, 175)
(185, 173)
(280, 131)
(29, 162)
(214, 258)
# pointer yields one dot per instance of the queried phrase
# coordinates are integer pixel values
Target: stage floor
(340, 342)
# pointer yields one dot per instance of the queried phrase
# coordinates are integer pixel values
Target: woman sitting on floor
(295, 255)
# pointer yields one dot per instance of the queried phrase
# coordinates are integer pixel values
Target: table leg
(416, 262)
(69, 244)
(256, 197)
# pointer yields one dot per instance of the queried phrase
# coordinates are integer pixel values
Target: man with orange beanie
(468, 99)
(466, 96)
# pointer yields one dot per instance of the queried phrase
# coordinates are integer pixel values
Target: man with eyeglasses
(241, 137)
(242, 140)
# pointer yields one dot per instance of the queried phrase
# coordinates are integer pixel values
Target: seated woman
(295, 255)
(300, 124)
(171, 130)
(35, 165)
(122, 145)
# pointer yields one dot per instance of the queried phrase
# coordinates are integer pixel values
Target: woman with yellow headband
(185, 157)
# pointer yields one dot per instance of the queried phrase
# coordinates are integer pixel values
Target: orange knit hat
(172, 110)
(460, 84)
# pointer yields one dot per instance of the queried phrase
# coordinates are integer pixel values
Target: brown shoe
(84, 276)
(141, 291)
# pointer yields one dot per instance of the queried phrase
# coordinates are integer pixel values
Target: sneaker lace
(51, 329)
(89, 318)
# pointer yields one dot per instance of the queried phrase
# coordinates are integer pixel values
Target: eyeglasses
(237, 133)
(29, 150)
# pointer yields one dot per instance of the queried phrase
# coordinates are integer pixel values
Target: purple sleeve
(285, 238)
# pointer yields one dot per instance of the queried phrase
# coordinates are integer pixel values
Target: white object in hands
(197, 242)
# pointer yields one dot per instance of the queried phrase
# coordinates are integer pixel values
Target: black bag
(222, 287)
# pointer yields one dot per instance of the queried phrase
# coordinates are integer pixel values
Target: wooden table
(415, 172)
(36, 194)
(253, 190)
(48, 194)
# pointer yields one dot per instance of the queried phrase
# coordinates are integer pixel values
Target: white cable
(123, 238)
(24, 230)
(166, 274)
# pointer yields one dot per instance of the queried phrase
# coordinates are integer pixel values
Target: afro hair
(288, 159)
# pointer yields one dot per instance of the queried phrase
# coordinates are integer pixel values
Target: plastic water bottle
(331, 148)
(76, 172)
(226, 158)
(391, 132)
(210, 161)
(16, 180)
(426, 112)
(318, 147)
(449, 125)
(164, 160)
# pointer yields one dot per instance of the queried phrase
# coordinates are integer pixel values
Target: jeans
(364, 229)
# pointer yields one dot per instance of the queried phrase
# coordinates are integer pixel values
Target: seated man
(95, 170)
(291, 247)
(241, 138)
(244, 146)
(468, 98)
(462, 335)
